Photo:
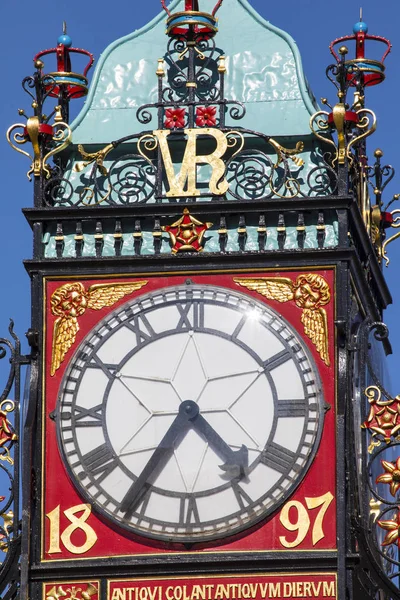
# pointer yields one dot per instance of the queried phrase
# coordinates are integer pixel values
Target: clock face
(189, 414)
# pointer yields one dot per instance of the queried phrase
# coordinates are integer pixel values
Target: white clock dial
(189, 414)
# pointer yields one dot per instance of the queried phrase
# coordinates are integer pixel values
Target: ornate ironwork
(346, 128)
(379, 176)
(191, 108)
(378, 530)
(62, 86)
(10, 431)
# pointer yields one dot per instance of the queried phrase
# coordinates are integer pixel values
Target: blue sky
(27, 28)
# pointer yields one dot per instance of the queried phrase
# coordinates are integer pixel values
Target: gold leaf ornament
(70, 301)
(310, 292)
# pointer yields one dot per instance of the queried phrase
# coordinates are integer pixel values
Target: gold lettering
(221, 592)
(79, 523)
(54, 518)
(328, 588)
(75, 524)
(209, 588)
(274, 590)
(307, 588)
(118, 594)
(287, 589)
(301, 524)
(184, 183)
(199, 593)
(299, 588)
(253, 589)
(316, 588)
(324, 502)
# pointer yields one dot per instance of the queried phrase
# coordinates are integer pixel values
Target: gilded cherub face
(69, 300)
(311, 291)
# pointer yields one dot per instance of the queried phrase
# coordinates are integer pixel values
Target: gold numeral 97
(302, 522)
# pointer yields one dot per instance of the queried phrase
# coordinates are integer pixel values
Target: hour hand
(187, 411)
(236, 461)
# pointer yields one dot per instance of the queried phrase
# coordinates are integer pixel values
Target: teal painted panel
(264, 72)
(131, 183)
(212, 237)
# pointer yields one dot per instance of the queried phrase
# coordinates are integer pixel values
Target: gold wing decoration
(64, 335)
(310, 292)
(101, 295)
(316, 328)
(70, 301)
(273, 288)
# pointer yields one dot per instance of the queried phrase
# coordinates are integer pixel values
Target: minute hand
(133, 497)
(236, 461)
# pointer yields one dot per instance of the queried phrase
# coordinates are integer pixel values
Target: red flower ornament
(206, 116)
(175, 118)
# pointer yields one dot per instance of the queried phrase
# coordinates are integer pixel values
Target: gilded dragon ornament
(310, 292)
(70, 301)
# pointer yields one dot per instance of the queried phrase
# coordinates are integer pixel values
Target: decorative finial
(64, 77)
(363, 69)
(191, 19)
(64, 39)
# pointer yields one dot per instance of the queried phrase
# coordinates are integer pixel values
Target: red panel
(270, 535)
(256, 587)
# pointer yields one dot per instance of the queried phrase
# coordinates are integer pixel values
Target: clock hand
(236, 460)
(188, 410)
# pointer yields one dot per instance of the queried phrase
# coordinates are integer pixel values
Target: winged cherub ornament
(310, 292)
(70, 301)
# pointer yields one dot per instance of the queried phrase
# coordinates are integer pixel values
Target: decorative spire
(362, 70)
(65, 80)
(191, 22)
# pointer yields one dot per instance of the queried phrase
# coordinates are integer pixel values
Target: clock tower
(204, 411)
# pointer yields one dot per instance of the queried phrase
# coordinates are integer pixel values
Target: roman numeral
(141, 327)
(198, 315)
(278, 458)
(189, 512)
(108, 369)
(185, 321)
(88, 417)
(292, 408)
(277, 360)
(243, 499)
(100, 461)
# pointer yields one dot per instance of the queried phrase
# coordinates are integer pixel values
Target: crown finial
(362, 69)
(191, 21)
(64, 78)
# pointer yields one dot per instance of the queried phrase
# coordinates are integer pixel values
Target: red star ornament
(186, 234)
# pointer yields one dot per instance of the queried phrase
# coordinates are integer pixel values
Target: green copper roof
(264, 72)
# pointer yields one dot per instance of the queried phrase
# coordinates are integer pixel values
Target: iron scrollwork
(10, 428)
(379, 528)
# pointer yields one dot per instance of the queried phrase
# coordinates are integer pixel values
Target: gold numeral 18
(302, 523)
(76, 522)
